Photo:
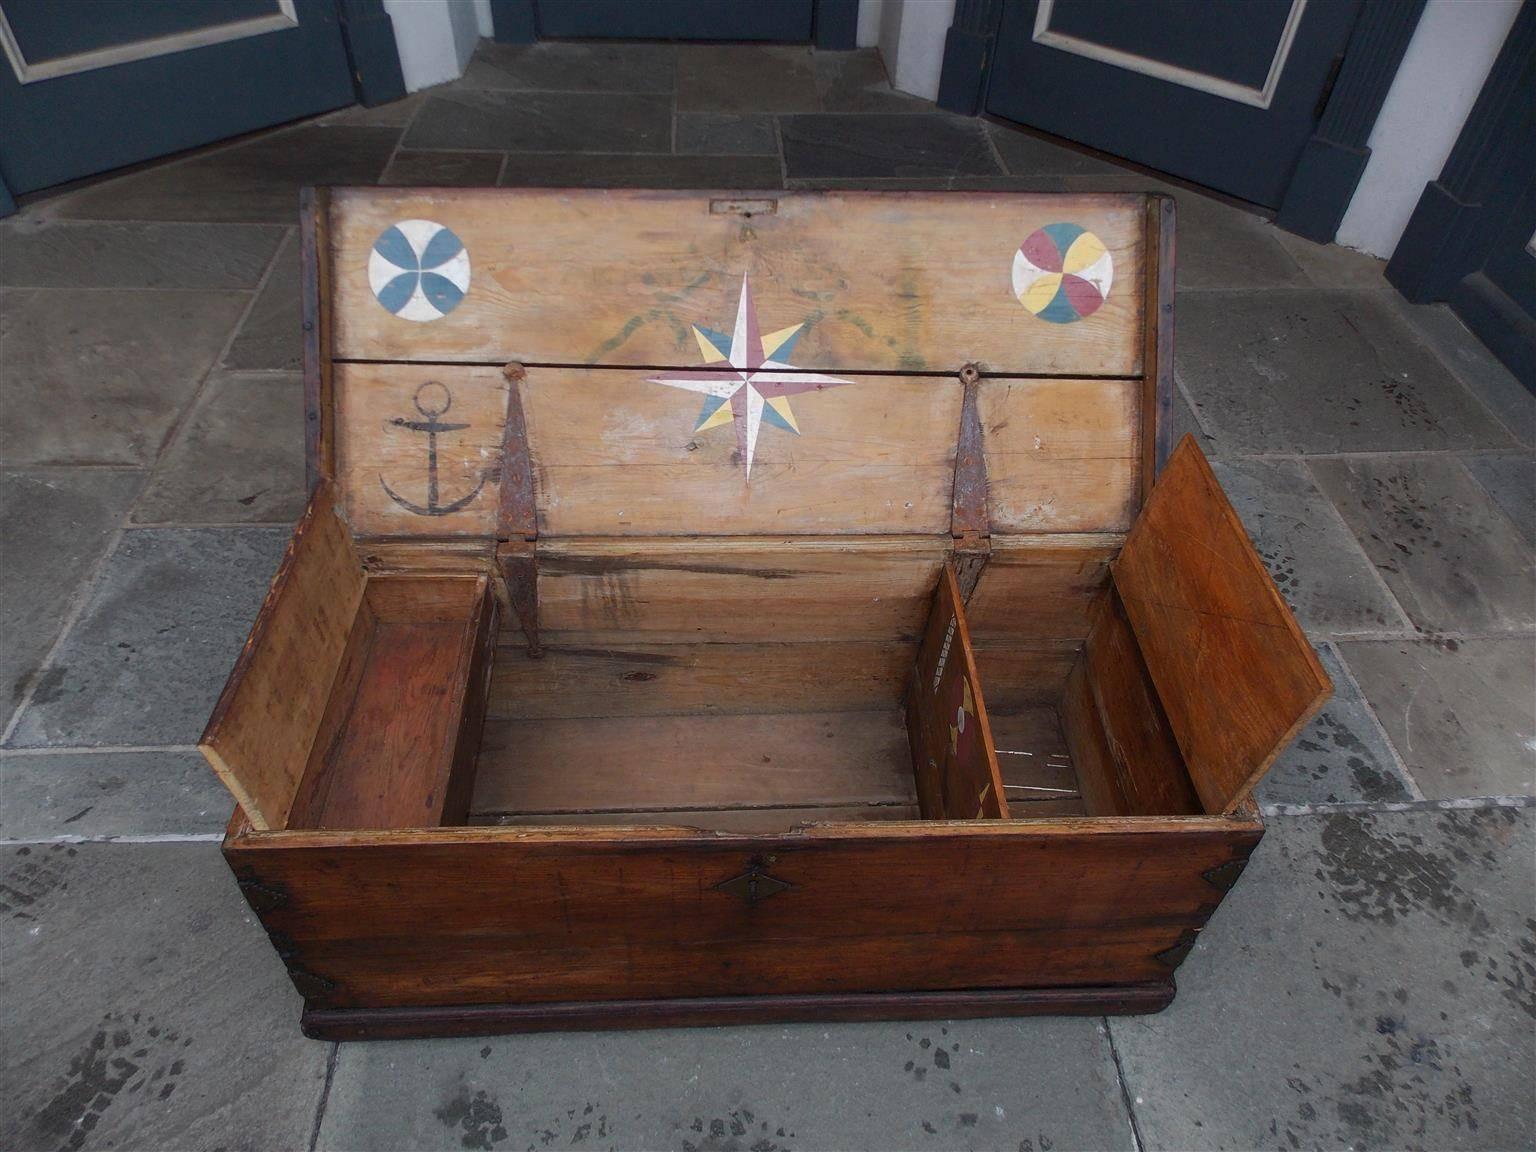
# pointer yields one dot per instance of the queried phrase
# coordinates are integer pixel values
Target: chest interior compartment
(802, 509)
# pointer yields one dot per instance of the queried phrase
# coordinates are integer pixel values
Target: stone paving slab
(861, 146)
(1367, 984)
(1334, 266)
(120, 364)
(1314, 559)
(1025, 154)
(271, 334)
(857, 82)
(1219, 246)
(1341, 757)
(1461, 713)
(1031, 1084)
(66, 254)
(747, 78)
(255, 182)
(1452, 559)
(149, 655)
(727, 133)
(1320, 372)
(143, 1007)
(1442, 331)
(55, 526)
(444, 169)
(561, 171)
(239, 458)
(1511, 481)
(467, 119)
(571, 67)
(99, 795)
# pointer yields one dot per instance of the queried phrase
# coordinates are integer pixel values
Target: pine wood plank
(1040, 587)
(664, 763)
(1234, 671)
(904, 281)
(1149, 774)
(259, 736)
(594, 591)
(1017, 675)
(737, 821)
(637, 678)
(953, 753)
(1062, 455)
(617, 455)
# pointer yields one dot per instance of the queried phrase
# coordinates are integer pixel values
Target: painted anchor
(432, 426)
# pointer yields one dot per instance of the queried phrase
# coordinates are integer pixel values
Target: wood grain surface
(788, 759)
(259, 736)
(883, 281)
(1234, 671)
(640, 678)
(952, 750)
(594, 591)
(524, 915)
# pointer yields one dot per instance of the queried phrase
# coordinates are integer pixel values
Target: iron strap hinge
(968, 521)
(517, 518)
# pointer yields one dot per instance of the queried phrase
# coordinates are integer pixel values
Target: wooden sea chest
(720, 607)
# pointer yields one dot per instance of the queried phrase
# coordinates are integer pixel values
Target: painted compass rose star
(756, 386)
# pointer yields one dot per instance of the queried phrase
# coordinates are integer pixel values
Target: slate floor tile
(588, 171)
(1367, 984)
(837, 145)
(1461, 713)
(64, 254)
(1035, 1084)
(542, 122)
(1511, 480)
(1184, 421)
(932, 184)
(1333, 265)
(271, 335)
(148, 657)
(239, 458)
(726, 133)
(1341, 757)
(1450, 557)
(1027, 155)
(55, 525)
(444, 169)
(857, 82)
(1318, 372)
(1220, 246)
(98, 377)
(258, 181)
(395, 114)
(1314, 560)
(570, 67)
(97, 795)
(746, 78)
(143, 1007)
(1485, 377)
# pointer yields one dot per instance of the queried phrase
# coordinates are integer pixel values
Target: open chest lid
(696, 363)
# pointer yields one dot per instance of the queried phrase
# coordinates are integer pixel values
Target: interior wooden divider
(398, 742)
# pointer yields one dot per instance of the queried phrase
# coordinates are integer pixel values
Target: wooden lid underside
(699, 364)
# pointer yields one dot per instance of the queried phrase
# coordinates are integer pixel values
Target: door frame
(1460, 217)
(1333, 159)
(835, 23)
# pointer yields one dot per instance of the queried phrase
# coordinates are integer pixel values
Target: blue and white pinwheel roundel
(419, 270)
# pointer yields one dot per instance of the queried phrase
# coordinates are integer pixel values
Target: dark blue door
(1225, 93)
(91, 85)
